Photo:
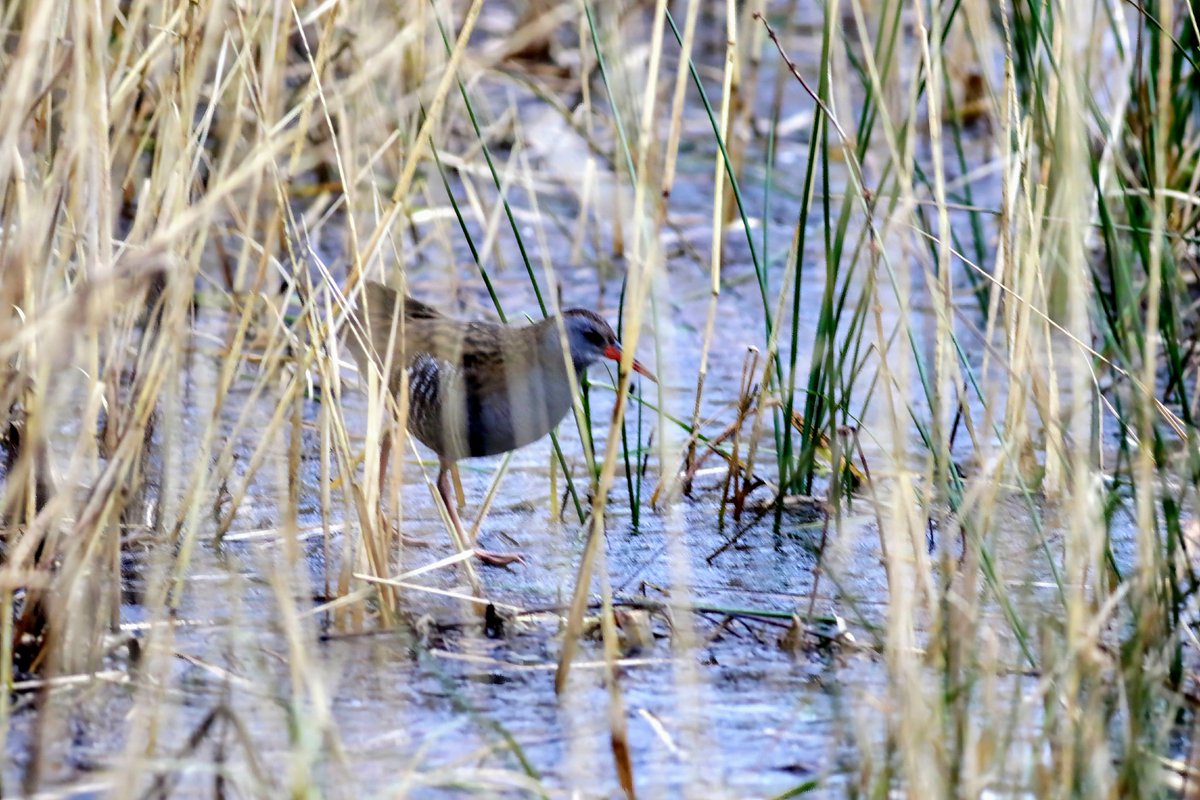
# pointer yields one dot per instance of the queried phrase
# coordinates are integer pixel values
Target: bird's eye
(594, 338)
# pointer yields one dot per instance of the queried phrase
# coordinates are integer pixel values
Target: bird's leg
(443, 485)
(446, 492)
(385, 450)
(385, 446)
(458, 490)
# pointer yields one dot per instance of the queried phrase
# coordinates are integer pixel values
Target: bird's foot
(498, 559)
(406, 540)
(414, 541)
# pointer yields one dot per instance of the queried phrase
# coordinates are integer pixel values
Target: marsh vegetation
(911, 509)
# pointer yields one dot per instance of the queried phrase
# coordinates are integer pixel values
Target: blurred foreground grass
(986, 217)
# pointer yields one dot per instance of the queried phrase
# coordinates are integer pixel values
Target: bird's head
(592, 339)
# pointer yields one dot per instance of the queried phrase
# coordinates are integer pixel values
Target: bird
(475, 388)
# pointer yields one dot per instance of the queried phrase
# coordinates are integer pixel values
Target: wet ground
(441, 702)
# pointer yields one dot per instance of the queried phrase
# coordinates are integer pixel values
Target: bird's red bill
(614, 353)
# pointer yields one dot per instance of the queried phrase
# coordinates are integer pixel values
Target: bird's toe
(498, 559)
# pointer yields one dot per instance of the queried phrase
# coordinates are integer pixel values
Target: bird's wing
(427, 331)
(382, 301)
(415, 310)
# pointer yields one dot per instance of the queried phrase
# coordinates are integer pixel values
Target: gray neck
(552, 390)
(551, 355)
